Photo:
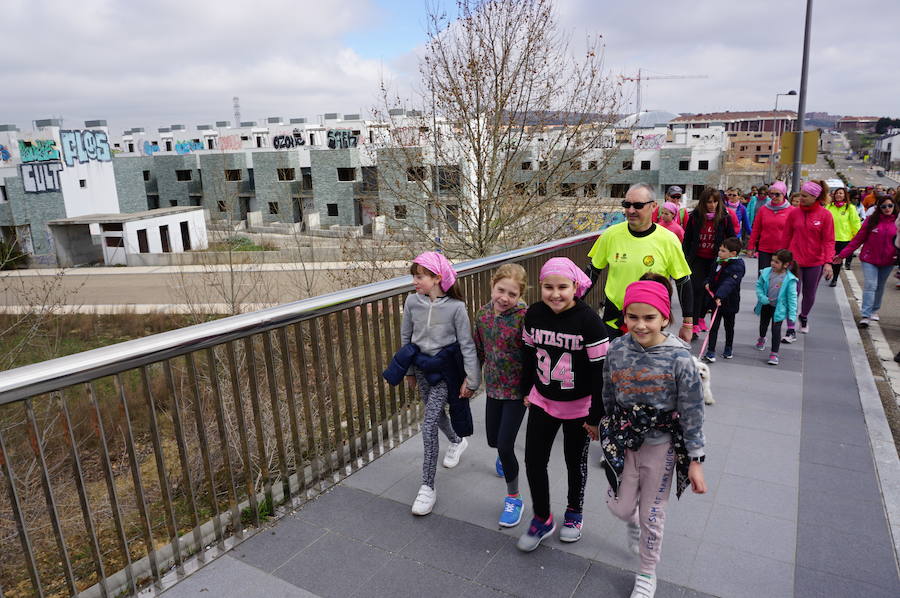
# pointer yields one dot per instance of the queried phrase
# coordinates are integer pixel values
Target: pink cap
(778, 186)
(440, 265)
(563, 266)
(671, 206)
(651, 293)
(811, 187)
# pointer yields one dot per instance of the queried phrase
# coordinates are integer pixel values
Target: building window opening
(703, 165)
(332, 209)
(400, 212)
(182, 175)
(645, 164)
(346, 174)
(82, 183)
(285, 174)
(233, 175)
(273, 207)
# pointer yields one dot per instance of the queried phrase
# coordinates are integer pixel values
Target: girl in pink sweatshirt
(809, 235)
(878, 254)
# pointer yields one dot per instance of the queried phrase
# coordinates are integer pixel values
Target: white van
(835, 184)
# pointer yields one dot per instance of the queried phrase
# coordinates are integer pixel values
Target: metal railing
(144, 457)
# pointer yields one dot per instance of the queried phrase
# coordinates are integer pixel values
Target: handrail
(20, 383)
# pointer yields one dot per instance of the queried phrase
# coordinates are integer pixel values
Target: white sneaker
(454, 451)
(864, 322)
(424, 501)
(875, 317)
(644, 586)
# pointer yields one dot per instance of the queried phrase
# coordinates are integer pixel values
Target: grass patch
(239, 243)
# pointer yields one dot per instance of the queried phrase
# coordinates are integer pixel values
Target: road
(857, 171)
(175, 289)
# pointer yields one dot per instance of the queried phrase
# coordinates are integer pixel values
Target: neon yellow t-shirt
(629, 257)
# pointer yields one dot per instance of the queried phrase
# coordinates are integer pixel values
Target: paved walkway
(796, 505)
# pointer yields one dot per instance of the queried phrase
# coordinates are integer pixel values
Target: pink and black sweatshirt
(563, 361)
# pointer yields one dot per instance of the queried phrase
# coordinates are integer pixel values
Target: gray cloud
(181, 61)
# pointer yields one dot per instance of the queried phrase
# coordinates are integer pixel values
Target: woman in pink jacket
(809, 235)
(878, 254)
(768, 225)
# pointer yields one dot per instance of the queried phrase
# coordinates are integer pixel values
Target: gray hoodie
(664, 377)
(433, 325)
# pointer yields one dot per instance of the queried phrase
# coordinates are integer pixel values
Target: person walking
(652, 433)
(562, 381)
(708, 226)
(809, 235)
(631, 248)
(846, 225)
(733, 203)
(776, 299)
(724, 287)
(436, 323)
(674, 194)
(758, 199)
(768, 227)
(877, 237)
(498, 342)
(667, 215)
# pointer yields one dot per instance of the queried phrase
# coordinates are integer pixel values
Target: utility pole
(801, 106)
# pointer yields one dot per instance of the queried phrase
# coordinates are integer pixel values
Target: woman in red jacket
(809, 235)
(878, 254)
(768, 225)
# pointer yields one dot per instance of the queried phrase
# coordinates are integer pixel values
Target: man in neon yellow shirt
(634, 247)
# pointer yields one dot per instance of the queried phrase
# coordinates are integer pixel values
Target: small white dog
(705, 382)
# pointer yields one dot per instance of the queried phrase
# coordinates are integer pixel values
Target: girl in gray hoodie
(653, 425)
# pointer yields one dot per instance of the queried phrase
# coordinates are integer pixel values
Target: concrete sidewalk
(800, 481)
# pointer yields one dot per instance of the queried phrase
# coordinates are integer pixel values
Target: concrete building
(887, 150)
(752, 136)
(857, 123)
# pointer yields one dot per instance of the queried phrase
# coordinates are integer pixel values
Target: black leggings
(714, 330)
(700, 268)
(502, 419)
(764, 260)
(836, 268)
(766, 314)
(539, 435)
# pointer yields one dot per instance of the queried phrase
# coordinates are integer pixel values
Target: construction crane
(640, 78)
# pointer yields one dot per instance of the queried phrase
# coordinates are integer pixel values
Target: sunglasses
(637, 205)
(775, 194)
(889, 206)
(676, 196)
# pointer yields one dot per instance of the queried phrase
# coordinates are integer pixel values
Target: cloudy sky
(181, 61)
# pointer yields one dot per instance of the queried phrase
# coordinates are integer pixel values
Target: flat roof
(118, 218)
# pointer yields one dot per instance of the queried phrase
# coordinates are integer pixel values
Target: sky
(168, 62)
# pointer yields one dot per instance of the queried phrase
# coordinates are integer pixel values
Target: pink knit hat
(651, 293)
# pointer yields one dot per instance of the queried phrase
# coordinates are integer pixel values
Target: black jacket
(691, 242)
(725, 283)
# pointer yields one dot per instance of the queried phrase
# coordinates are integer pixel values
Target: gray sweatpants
(435, 399)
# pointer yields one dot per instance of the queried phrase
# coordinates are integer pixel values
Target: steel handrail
(26, 381)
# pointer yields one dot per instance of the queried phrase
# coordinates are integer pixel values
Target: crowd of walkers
(621, 377)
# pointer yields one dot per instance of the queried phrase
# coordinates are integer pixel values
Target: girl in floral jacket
(498, 342)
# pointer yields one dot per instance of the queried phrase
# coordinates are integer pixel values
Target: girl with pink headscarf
(809, 235)
(562, 379)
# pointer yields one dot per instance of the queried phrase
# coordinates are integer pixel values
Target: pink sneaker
(703, 327)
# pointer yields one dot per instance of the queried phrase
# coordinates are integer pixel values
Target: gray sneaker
(537, 531)
(571, 529)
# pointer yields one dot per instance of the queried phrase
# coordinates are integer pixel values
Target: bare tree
(513, 132)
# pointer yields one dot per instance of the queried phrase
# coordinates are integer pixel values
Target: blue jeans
(873, 288)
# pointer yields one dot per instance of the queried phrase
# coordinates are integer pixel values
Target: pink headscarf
(563, 266)
(670, 205)
(440, 265)
(813, 188)
(651, 293)
(778, 186)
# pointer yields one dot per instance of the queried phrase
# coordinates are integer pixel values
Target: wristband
(699, 459)
(686, 325)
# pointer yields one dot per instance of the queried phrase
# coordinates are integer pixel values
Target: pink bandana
(438, 264)
(563, 266)
(651, 293)
(814, 189)
(778, 186)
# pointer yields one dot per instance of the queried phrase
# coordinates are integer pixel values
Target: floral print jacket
(498, 342)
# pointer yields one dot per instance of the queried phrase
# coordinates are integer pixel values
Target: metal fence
(125, 466)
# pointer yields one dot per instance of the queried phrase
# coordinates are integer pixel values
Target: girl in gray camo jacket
(653, 423)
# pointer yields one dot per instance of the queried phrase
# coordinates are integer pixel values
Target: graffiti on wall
(4, 154)
(341, 139)
(230, 142)
(39, 150)
(85, 146)
(149, 149)
(185, 147)
(41, 177)
(289, 141)
(648, 141)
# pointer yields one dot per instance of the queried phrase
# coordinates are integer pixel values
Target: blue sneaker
(537, 531)
(710, 356)
(727, 353)
(499, 467)
(512, 512)
(571, 529)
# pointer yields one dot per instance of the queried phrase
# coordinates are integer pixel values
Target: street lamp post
(801, 105)
(774, 136)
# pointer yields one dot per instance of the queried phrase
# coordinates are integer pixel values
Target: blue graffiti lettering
(150, 149)
(186, 147)
(85, 146)
(39, 150)
(4, 154)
